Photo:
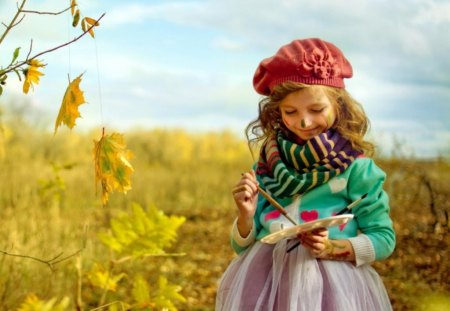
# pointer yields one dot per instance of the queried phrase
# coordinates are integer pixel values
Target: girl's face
(307, 112)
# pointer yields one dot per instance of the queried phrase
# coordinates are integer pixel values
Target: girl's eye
(318, 110)
(289, 112)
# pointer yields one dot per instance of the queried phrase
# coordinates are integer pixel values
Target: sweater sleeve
(372, 213)
(240, 244)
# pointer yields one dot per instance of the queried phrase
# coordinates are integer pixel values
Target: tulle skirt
(265, 277)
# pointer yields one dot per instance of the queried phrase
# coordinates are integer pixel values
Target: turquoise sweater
(371, 214)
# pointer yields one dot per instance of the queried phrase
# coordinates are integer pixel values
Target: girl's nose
(304, 122)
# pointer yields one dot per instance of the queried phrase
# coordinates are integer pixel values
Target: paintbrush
(276, 205)
(349, 207)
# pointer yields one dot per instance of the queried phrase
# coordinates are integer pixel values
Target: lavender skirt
(265, 277)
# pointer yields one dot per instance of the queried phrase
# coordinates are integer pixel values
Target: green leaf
(1, 90)
(142, 233)
(33, 303)
(141, 291)
(100, 277)
(166, 294)
(15, 54)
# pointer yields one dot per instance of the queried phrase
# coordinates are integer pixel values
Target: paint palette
(292, 232)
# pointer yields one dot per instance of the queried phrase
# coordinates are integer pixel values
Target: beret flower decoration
(320, 64)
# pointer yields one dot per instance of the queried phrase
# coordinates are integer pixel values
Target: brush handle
(276, 205)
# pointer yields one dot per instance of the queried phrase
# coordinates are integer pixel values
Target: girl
(314, 161)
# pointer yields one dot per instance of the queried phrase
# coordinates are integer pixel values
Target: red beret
(308, 61)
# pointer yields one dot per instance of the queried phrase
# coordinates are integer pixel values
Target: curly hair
(351, 120)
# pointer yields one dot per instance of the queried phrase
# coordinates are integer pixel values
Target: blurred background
(189, 64)
(176, 78)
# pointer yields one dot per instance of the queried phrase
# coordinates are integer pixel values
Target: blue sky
(190, 64)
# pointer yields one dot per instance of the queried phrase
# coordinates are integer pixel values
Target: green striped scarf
(288, 169)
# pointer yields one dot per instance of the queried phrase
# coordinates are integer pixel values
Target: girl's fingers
(320, 231)
(250, 176)
(239, 188)
(313, 242)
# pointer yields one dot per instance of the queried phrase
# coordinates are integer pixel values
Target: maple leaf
(112, 166)
(32, 74)
(73, 98)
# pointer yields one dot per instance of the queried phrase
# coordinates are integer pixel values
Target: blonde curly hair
(351, 120)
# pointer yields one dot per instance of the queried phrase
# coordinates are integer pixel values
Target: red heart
(309, 215)
(272, 215)
(342, 226)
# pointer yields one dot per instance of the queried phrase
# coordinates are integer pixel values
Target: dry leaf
(91, 21)
(73, 4)
(73, 98)
(76, 18)
(88, 24)
(112, 166)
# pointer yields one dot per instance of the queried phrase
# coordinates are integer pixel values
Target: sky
(190, 63)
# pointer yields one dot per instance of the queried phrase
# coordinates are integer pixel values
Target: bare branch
(13, 21)
(31, 48)
(50, 262)
(69, 42)
(20, 64)
(46, 13)
(18, 22)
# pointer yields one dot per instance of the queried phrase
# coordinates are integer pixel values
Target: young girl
(314, 161)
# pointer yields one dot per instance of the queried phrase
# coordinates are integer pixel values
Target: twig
(52, 49)
(11, 24)
(50, 262)
(107, 305)
(46, 13)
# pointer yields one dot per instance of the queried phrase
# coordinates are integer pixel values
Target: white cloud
(191, 62)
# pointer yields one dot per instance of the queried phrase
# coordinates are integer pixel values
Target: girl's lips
(308, 132)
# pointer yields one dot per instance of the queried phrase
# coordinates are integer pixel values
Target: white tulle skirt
(265, 277)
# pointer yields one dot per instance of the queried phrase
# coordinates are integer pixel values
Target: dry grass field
(48, 205)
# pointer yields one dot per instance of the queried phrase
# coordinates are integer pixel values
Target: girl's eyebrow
(310, 105)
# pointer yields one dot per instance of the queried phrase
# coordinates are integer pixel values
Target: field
(49, 205)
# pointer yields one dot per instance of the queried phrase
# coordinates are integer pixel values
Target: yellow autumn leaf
(32, 74)
(112, 167)
(88, 24)
(91, 21)
(73, 98)
(73, 4)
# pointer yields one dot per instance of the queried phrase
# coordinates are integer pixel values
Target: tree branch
(46, 13)
(18, 65)
(12, 23)
(50, 262)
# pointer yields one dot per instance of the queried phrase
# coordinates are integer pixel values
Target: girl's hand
(316, 241)
(245, 195)
(321, 247)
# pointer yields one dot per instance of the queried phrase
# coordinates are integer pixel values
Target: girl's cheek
(285, 121)
(330, 118)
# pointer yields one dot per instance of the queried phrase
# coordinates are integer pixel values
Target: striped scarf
(287, 168)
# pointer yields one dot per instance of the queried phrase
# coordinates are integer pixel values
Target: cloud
(191, 62)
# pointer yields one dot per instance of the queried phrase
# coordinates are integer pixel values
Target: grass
(48, 205)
